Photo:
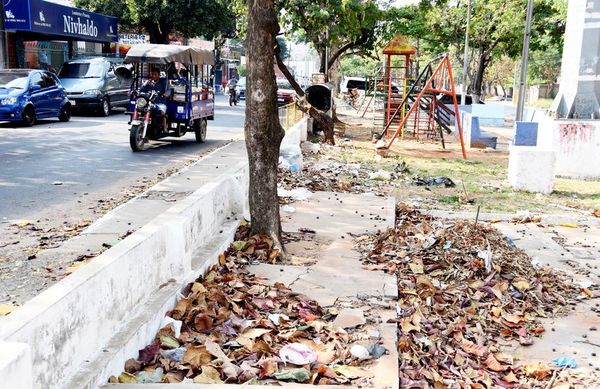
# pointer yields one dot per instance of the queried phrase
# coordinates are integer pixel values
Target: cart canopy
(165, 54)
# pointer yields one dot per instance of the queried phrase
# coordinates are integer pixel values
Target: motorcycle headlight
(9, 100)
(92, 92)
(141, 102)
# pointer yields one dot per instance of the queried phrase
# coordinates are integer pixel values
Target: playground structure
(407, 106)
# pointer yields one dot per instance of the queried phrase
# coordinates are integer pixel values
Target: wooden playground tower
(412, 107)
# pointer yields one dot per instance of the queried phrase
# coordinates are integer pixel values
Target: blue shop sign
(54, 19)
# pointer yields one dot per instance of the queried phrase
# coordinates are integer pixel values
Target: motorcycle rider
(232, 87)
(159, 85)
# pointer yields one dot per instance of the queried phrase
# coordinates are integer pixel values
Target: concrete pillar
(579, 94)
(15, 366)
(531, 169)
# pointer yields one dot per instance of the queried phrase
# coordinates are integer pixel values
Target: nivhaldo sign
(54, 19)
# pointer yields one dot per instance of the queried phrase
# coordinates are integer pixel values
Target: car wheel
(200, 130)
(65, 113)
(105, 108)
(28, 116)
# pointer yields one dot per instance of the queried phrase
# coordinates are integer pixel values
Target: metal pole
(466, 57)
(326, 52)
(524, 59)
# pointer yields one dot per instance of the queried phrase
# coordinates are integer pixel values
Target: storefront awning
(52, 19)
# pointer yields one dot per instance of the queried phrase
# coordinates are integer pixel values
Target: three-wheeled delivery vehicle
(189, 100)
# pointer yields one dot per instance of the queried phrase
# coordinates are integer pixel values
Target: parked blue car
(28, 95)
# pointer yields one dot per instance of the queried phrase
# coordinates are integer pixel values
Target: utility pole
(524, 59)
(466, 57)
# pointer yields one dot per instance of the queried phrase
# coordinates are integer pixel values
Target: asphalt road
(91, 158)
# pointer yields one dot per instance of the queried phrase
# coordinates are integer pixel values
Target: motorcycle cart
(189, 101)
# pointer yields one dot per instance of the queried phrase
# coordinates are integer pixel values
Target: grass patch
(482, 178)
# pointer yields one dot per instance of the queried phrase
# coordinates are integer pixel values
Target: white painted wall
(577, 145)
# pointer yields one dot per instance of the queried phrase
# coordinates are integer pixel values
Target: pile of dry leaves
(463, 290)
(232, 326)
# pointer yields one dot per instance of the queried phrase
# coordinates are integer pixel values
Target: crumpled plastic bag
(154, 377)
(297, 353)
(380, 175)
(299, 375)
(565, 362)
(175, 354)
(290, 157)
(435, 181)
(297, 194)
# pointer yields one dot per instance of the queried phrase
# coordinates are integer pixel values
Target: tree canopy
(496, 30)
(339, 25)
(191, 18)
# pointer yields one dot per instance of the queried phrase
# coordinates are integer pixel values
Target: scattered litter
(376, 350)
(150, 377)
(298, 354)
(380, 175)
(278, 318)
(437, 181)
(310, 147)
(175, 354)
(447, 244)
(568, 225)
(297, 194)
(57, 183)
(360, 352)
(565, 362)
(287, 208)
(487, 259)
(175, 323)
(290, 155)
(299, 375)
(583, 283)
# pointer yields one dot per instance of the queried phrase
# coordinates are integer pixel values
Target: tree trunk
(262, 129)
(477, 86)
(322, 61)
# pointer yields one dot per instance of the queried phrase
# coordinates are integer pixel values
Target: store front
(43, 35)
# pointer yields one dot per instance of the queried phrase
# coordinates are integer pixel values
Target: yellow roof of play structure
(399, 45)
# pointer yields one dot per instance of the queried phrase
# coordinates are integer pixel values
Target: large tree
(159, 18)
(333, 27)
(262, 129)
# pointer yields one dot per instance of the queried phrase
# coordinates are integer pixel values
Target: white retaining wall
(577, 145)
(50, 340)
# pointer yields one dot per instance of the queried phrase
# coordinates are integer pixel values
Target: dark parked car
(28, 95)
(96, 83)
